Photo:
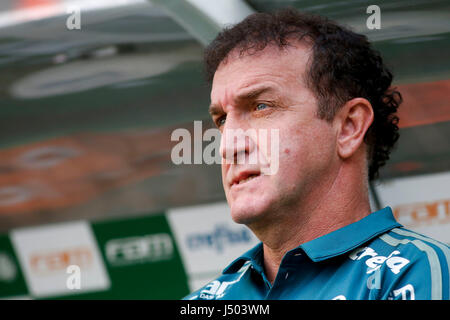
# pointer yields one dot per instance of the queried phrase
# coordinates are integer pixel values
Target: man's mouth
(245, 177)
(248, 178)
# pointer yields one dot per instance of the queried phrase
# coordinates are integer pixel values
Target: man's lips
(244, 176)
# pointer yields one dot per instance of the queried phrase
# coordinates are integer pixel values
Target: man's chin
(247, 213)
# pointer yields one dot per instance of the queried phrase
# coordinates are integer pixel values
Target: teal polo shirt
(374, 258)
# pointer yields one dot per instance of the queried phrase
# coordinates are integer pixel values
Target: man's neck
(329, 208)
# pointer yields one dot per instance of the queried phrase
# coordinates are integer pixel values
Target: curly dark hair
(343, 65)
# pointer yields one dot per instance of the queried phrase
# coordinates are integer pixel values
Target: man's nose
(237, 142)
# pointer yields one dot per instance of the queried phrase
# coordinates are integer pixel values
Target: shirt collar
(332, 244)
(351, 236)
(254, 255)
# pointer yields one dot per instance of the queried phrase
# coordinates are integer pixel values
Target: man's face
(267, 90)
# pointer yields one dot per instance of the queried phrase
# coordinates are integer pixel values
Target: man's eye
(221, 121)
(261, 106)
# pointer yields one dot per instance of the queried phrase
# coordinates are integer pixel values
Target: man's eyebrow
(244, 95)
(215, 110)
(254, 92)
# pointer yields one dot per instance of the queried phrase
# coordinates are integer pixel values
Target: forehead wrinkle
(254, 91)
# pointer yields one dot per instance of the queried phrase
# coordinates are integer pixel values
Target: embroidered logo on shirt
(394, 262)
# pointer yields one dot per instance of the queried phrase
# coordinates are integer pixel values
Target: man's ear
(352, 122)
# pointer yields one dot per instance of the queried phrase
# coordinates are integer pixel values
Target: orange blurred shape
(26, 4)
(424, 103)
(407, 166)
(49, 262)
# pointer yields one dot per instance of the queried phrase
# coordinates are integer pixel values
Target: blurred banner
(161, 256)
(420, 203)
